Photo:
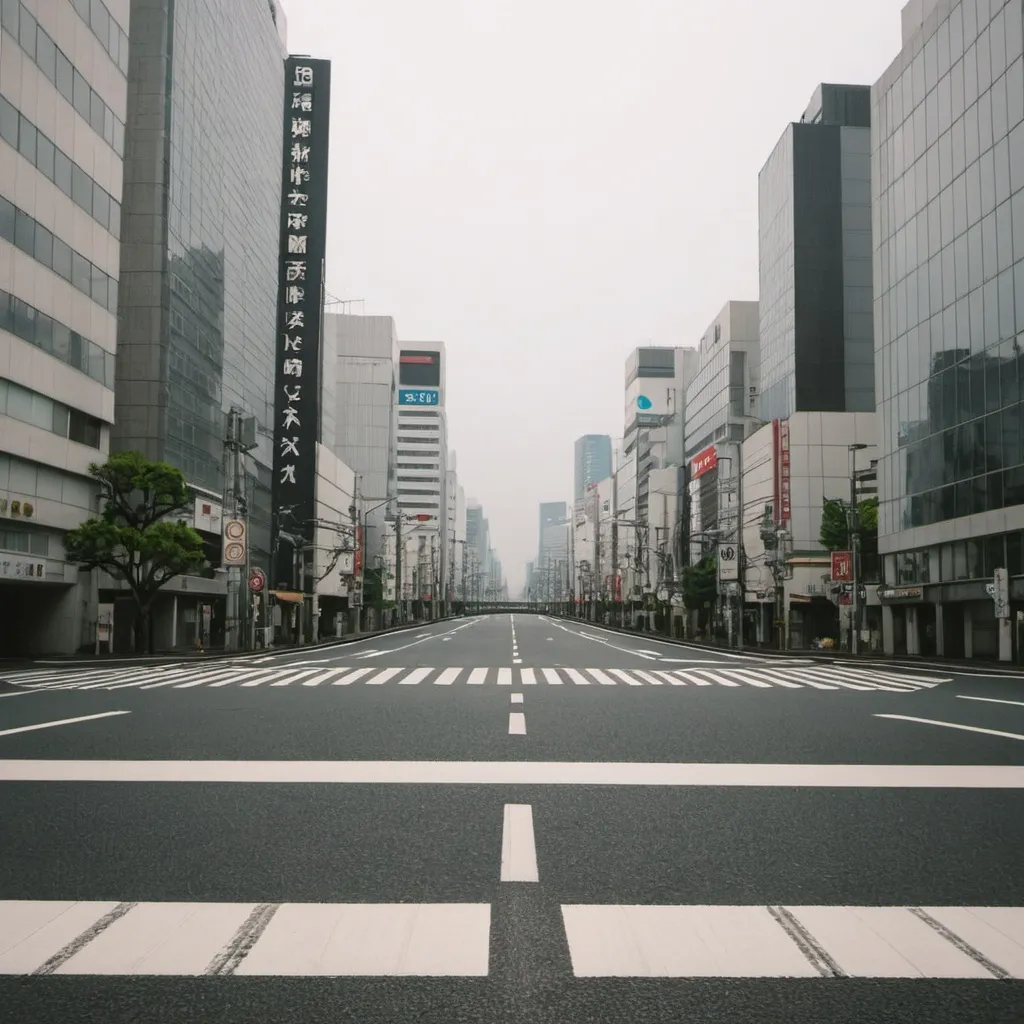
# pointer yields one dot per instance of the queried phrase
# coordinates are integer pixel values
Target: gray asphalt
(442, 843)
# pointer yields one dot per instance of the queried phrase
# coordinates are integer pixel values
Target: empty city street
(511, 817)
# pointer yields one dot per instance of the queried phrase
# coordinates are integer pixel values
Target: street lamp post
(854, 522)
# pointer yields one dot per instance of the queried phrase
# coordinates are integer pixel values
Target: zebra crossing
(316, 674)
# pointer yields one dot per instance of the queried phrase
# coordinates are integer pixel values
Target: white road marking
(351, 677)
(675, 679)
(515, 698)
(795, 941)
(556, 773)
(187, 682)
(577, 677)
(447, 677)
(504, 677)
(416, 676)
(516, 723)
(699, 674)
(552, 677)
(624, 676)
(321, 677)
(649, 678)
(61, 721)
(518, 848)
(774, 679)
(952, 725)
(754, 680)
(604, 680)
(527, 677)
(802, 676)
(477, 677)
(248, 677)
(293, 677)
(992, 700)
(34, 930)
(517, 661)
(383, 676)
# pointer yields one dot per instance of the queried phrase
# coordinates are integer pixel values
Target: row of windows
(417, 504)
(21, 134)
(25, 542)
(403, 413)
(962, 560)
(414, 452)
(415, 492)
(41, 244)
(39, 411)
(419, 426)
(67, 79)
(95, 14)
(414, 465)
(33, 480)
(29, 324)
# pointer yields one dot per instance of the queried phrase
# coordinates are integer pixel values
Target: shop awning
(288, 596)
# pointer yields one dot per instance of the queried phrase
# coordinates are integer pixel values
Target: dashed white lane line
(956, 725)
(992, 700)
(516, 723)
(518, 846)
(63, 721)
(516, 698)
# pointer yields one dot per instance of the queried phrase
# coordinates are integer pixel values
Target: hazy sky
(546, 184)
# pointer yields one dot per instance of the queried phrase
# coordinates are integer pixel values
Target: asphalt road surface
(511, 818)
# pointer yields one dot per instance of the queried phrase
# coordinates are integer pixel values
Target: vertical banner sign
(784, 488)
(842, 566)
(307, 99)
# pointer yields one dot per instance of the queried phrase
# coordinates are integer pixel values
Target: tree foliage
(700, 583)
(135, 538)
(834, 534)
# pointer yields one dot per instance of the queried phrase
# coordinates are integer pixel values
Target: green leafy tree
(834, 534)
(136, 537)
(700, 586)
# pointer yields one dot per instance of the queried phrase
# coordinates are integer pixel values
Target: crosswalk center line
(447, 677)
(351, 677)
(624, 676)
(417, 675)
(552, 677)
(577, 677)
(504, 677)
(383, 676)
(527, 677)
(604, 680)
(477, 677)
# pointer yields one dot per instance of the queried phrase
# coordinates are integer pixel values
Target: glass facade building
(814, 224)
(198, 304)
(948, 207)
(592, 458)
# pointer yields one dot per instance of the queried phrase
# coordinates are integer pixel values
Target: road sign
(257, 581)
(234, 542)
(728, 563)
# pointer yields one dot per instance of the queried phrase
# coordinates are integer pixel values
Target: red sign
(842, 566)
(780, 436)
(257, 581)
(703, 462)
(357, 561)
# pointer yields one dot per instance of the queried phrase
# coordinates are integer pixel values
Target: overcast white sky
(545, 184)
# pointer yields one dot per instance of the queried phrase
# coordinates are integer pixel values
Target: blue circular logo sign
(643, 402)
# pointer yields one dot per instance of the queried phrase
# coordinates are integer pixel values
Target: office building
(362, 404)
(593, 462)
(198, 302)
(63, 107)
(421, 463)
(814, 227)
(948, 191)
(721, 406)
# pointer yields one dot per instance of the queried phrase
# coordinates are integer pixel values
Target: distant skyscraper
(593, 462)
(814, 223)
(552, 513)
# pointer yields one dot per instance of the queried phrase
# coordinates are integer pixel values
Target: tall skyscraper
(814, 225)
(948, 183)
(63, 97)
(593, 462)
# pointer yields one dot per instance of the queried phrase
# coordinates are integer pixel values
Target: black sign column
(307, 101)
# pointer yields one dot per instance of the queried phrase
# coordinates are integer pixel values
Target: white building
(61, 174)
(421, 463)
(791, 491)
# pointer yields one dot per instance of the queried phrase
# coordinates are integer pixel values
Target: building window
(40, 411)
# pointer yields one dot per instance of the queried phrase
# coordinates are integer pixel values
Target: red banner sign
(842, 566)
(703, 462)
(784, 488)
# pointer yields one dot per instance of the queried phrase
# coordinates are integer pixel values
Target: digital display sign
(419, 396)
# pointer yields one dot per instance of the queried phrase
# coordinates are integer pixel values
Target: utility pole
(740, 557)
(399, 581)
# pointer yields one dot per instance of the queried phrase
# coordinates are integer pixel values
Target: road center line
(62, 721)
(956, 725)
(516, 698)
(518, 846)
(516, 723)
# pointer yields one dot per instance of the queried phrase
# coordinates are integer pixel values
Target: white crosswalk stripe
(758, 677)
